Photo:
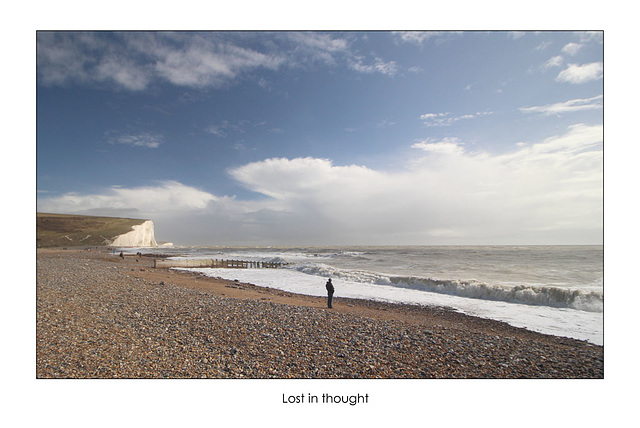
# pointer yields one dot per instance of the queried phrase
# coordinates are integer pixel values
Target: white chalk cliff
(141, 236)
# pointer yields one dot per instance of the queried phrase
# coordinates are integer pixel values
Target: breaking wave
(585, 300)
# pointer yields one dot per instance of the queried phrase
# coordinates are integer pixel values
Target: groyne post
(214, 263)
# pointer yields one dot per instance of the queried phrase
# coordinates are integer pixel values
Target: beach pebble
(103, 323)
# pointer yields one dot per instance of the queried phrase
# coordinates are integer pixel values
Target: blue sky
(326, 138)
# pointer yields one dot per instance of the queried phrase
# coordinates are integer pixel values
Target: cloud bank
(547, 192)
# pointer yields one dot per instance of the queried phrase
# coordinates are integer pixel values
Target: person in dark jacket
(330, 291)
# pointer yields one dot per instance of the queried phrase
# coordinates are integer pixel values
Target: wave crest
(585, 300)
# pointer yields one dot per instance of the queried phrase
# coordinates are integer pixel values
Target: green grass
(63, 230)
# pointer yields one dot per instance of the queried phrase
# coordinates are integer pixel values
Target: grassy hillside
(63, 230)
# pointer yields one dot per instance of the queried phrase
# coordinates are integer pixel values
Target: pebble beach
(101, 316)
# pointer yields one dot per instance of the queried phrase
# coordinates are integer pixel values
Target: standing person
(330, 291)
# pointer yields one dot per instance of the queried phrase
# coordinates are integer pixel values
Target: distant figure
(121, 255)
(330, 291)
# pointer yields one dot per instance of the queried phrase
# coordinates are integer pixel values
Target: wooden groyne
(215, 263)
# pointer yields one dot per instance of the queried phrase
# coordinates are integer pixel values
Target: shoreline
(482, 348)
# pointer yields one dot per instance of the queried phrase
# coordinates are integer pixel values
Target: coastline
(162, 323)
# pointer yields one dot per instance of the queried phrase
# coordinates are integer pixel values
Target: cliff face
(141, 236)
(61, 230)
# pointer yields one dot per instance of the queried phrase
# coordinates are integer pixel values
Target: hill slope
(59, 230)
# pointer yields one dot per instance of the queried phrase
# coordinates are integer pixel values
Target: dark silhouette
(330, 291)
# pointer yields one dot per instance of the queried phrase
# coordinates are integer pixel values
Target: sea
(556, 290)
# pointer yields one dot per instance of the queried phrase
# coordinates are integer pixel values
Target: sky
(326, 138)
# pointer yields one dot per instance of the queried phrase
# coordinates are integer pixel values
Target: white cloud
(223, 128)
(217, 130)
(590, 36)
(433, 116)
(379, 66)
(447, 146)
(577, 74)
(283, 179)
(571, 48)
(134, 61)
(443, 119)
(167, 196)
(61, 58)
(332, 49)
(123, 72)
(202, 62)
(151, 141)
(543, 46)
(555, 61)
(318, 47)
(417, 37)
(542, 192)
(579, 138)
(555, 185)
(566, 107)
(562, 151)
(420, 37)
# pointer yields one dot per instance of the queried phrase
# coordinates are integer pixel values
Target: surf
(528, 294)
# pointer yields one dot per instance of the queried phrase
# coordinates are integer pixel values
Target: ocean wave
(585, 300)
